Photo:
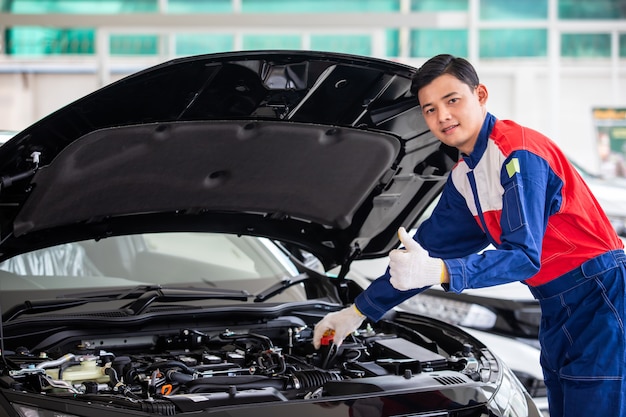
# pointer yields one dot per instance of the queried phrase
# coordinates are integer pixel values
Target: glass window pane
(430, 42)
(255, 42)
(504, 43)
(134, 44)
(586, 45)
(438, 5)
(622, 45)
(199, 43)
(392, 37)
(199, 6)
(284, 6)
(517, 10)
(80, 6)
(35, 41)
(349, 44)
(596, 9)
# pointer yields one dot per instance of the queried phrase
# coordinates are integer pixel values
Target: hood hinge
(9, 180)
(345, 266)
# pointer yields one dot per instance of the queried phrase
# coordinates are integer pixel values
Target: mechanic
(513, 188)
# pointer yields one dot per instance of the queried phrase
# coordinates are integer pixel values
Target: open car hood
(325, 151)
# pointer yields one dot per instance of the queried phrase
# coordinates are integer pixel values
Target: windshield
(187, 260)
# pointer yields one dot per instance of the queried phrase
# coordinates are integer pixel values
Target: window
(202, 43)
(350, 44)
(438, 5)
(199, 6)
(513, 10)
(254, 42)
(431, 42)
(622, 45)
(35, 41)
(301, 6)
(596, 9)
(587, 45)
(134, 45)
(392, 42)
(503, 43)
(80, 6)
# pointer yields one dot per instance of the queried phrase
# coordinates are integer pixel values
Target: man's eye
(429, 110)
(453, 100)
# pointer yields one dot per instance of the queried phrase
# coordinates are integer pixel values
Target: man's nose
(444, 114)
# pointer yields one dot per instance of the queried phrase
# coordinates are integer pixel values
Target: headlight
(536, 387)
(30, 411)
(456, 312)
(510, 399)
(530, 316)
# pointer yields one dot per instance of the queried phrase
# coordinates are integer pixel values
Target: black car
(164, 243)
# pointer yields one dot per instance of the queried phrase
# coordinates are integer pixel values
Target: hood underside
(326, 151)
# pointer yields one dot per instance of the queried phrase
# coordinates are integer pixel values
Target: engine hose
(163, 408)
(313, 378)
(221, 383)
(170, 364)
(65, 365)
(56, 362)
(180, 377)
(113, 378)
(152, 406)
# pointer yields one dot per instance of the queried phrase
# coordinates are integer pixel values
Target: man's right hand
(342, 323)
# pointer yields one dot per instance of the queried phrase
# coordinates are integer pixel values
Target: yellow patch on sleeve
(512, 167)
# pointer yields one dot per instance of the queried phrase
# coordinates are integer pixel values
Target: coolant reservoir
(88, 370)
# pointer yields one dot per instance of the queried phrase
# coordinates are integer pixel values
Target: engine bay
(185, 370)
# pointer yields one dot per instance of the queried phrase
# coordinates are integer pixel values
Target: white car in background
(611, 194)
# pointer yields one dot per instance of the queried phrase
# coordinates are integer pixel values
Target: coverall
(518, 192)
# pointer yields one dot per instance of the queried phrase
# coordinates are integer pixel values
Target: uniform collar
(481, 143)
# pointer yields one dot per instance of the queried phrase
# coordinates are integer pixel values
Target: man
(513, 188)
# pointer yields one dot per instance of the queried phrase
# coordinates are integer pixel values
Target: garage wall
(26, 97)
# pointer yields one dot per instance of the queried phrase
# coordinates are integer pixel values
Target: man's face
(454, 111)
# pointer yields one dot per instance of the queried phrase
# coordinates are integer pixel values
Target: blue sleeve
(531, 195)
(451, 231)
(381, 296)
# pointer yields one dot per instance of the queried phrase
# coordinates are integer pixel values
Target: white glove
(341, 323)
(412, 267)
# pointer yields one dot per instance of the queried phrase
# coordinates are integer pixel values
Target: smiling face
(454, 111)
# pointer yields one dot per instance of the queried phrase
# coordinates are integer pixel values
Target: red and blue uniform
(517, 192)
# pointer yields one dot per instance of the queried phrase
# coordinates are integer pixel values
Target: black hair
(444, 64)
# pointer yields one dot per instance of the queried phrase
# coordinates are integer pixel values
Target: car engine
(273, 360)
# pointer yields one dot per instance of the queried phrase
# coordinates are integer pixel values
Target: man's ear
(482, 93)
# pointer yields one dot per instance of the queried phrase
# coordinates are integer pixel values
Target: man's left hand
(412, 267)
